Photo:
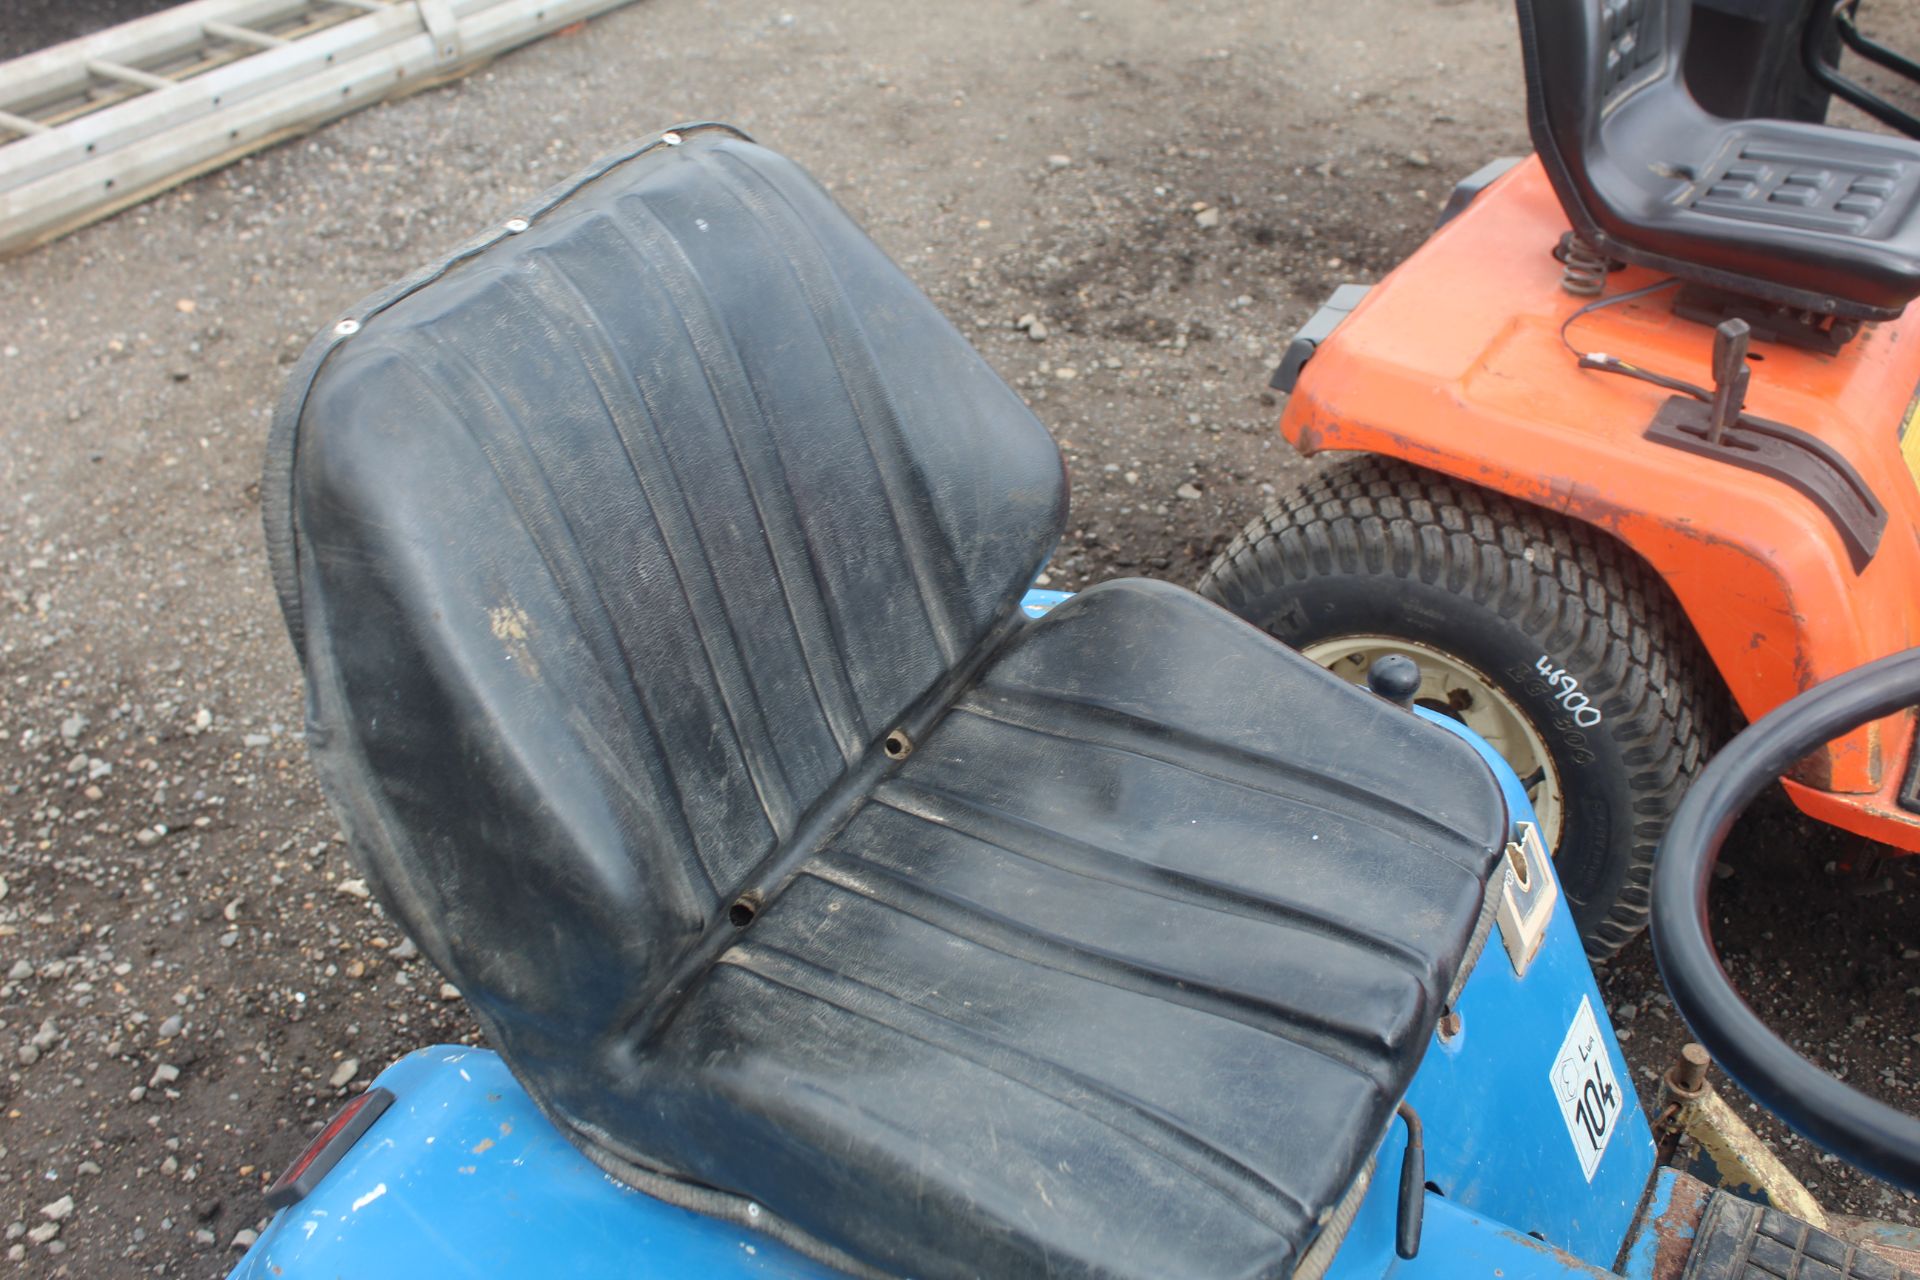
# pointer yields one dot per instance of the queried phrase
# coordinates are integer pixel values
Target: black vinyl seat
(655, 566)
(1108, 972)
(1800, 215)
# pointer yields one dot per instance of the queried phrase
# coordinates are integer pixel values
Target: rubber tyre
(1375, 546)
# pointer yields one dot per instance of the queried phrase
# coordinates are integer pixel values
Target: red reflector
(324, 1152)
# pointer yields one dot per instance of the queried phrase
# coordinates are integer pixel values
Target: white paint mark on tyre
(1567, 693)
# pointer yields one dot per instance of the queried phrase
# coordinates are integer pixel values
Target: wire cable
(1604, 363)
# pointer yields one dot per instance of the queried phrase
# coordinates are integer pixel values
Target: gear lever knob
(1395, 677)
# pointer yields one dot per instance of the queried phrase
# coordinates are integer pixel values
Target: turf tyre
(1374, 546)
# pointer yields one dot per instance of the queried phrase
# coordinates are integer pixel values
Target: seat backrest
(615, 545)
(1584, 59)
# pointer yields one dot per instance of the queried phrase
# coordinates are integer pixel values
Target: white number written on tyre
(1567, 693)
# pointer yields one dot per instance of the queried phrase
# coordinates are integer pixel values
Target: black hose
(1865, 1133)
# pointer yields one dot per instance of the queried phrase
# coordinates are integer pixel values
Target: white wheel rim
(1454, 687)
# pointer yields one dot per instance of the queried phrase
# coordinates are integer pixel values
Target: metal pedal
(1740, 1240)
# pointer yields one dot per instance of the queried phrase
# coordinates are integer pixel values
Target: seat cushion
(1824, 212)
(1121, 973)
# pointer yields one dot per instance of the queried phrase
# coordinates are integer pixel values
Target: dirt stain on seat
(510, 625)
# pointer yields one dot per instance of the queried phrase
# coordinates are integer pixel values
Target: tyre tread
(1595, 598)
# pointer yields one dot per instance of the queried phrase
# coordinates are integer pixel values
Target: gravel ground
(191, 974)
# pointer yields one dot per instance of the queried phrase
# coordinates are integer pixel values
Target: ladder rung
(20, 124)
(128, 75)
(93, 139)
(242, 35)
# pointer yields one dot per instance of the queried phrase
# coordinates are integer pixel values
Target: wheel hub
(1453, 687)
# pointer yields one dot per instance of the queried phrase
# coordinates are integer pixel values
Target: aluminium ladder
(94, 125)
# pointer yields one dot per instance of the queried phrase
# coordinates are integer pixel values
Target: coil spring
(1583, 270)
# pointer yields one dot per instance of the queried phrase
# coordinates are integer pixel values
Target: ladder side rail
(224, 88)
(60, 71)
(74, 196)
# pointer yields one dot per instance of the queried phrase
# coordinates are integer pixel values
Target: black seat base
(1765, 321)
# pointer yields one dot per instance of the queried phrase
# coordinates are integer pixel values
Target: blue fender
(1497, 1143)
(462, 1176)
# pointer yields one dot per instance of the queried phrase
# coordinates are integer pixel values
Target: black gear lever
(1730, 377)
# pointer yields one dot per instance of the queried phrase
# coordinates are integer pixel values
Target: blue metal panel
(1453, 1244)
(464, 1177)
(1457, 1244)
(1646, 1245)
(1036, 602)
(1497, 1144)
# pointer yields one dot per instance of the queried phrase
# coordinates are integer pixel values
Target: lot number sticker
(1588, 1091)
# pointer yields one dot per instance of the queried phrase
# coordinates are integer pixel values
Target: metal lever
(1413, 1188)
(1730, 377)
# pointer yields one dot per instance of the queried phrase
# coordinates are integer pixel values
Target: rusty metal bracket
(1663, 1246)
(1725, 1151)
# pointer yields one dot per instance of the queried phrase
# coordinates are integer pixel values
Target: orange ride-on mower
(1638, 430)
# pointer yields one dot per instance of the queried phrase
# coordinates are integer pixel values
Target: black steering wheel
(1867, 1134)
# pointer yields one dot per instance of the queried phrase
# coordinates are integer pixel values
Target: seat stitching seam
(1004, 936)
(900, 794)
(1231, 1180)
(1087, 714)
(778, 811)
(867, 392)
(436, 384)
(846, 722)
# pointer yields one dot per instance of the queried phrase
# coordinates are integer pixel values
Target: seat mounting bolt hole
(898, 746)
